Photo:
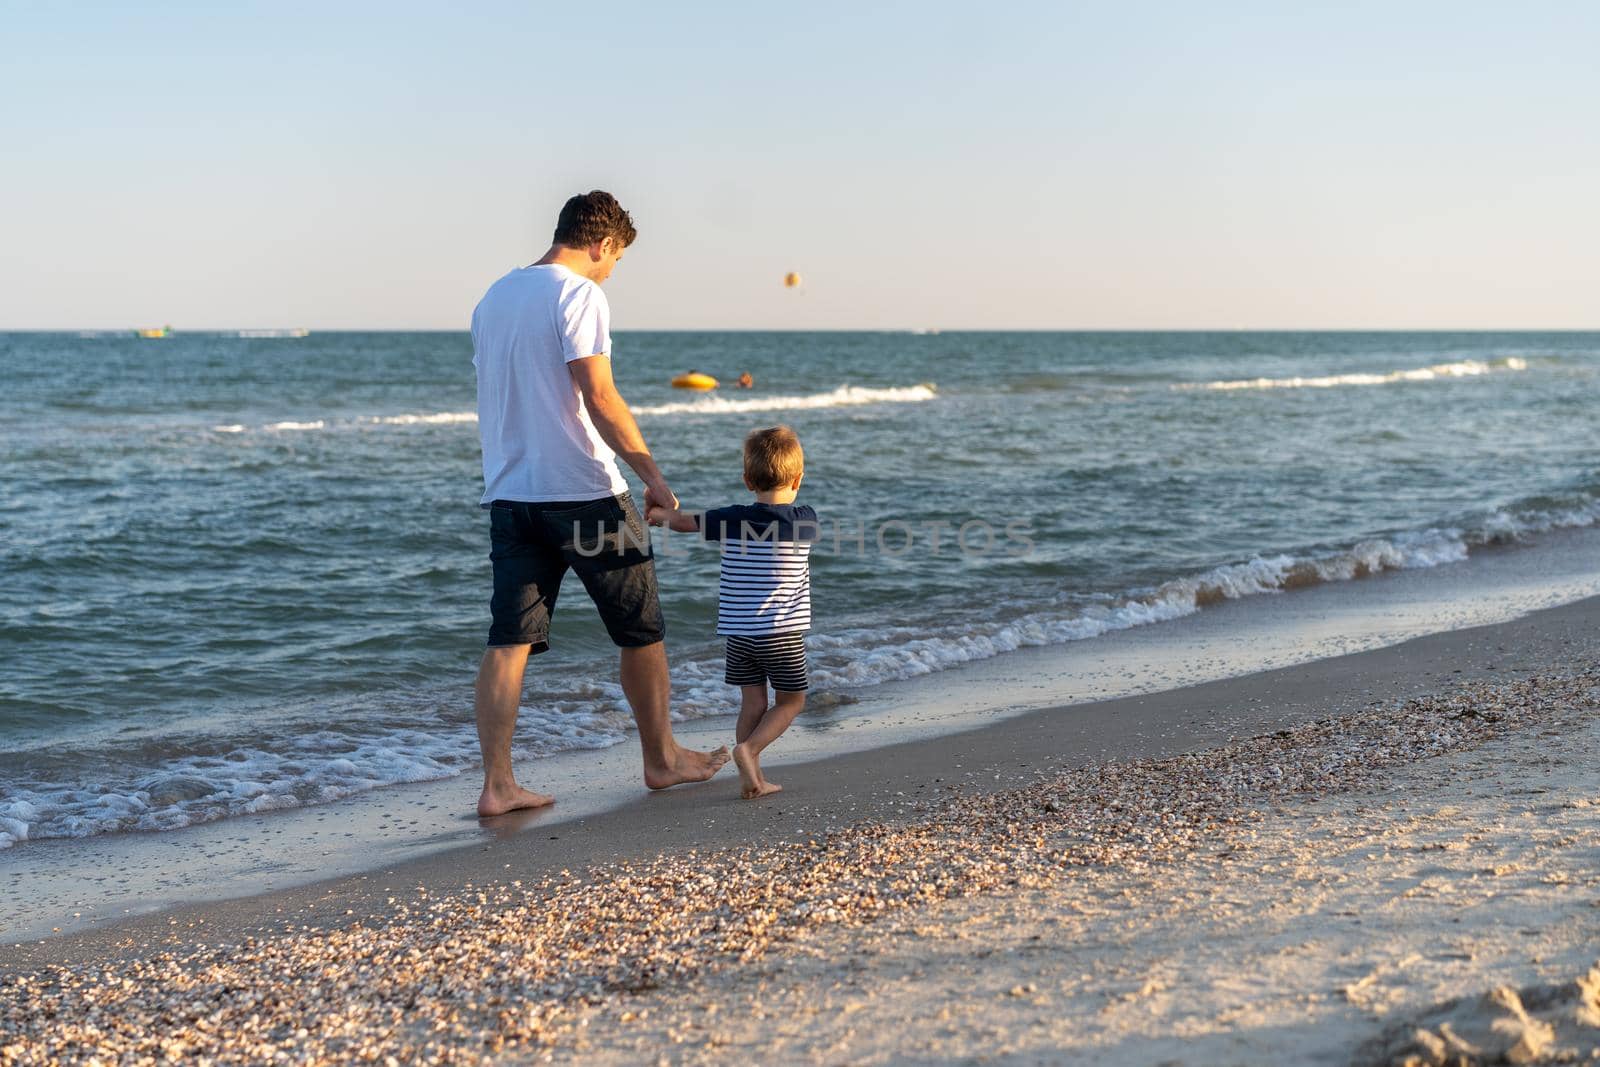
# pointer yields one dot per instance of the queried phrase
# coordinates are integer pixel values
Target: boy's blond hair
(773, 458)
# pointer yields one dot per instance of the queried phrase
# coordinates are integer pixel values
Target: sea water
(239, 574)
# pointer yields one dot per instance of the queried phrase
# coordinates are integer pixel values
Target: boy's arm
(674, 519)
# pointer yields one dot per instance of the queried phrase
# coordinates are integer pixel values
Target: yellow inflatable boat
(694, 380)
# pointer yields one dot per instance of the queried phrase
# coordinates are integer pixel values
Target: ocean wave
(844, 396)
(854, 665)
(439, 418)
(1466, 368)
(864, 658)
(287, 770)
(294, 768)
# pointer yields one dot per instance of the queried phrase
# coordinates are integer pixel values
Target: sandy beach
(883, 536)
(1442, 911)
(1313, 861)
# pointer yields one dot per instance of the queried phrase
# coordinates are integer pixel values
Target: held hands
(674, 519)
(658, 499)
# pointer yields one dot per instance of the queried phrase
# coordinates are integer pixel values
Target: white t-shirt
(538, 440)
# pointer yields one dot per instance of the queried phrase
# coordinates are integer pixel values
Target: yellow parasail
(791, 280)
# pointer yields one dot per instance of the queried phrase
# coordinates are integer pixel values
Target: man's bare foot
(498, 801)
(688, 766)
(752, 783)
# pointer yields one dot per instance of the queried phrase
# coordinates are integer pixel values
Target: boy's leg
(743, 670)
(752, 705)
(747, 753)
(785, 708)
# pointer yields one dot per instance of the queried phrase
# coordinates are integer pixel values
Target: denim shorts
(604, 542)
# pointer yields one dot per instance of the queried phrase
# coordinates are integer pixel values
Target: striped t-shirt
(766, 578)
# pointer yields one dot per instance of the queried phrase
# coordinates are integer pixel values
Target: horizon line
(132, 331)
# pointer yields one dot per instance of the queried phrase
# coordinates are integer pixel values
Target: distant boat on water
(275, 333)
(155, 331)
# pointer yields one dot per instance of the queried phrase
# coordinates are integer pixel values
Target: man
(552, 424)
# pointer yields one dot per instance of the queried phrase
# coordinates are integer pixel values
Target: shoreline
(882, 783)
(469, 957)
(73, 887)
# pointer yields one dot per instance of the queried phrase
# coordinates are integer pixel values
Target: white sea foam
(15, 818)
(854, 661)
(293, 767)
(436, 419)
(292, 770)
(844, 396)
(1467, 368)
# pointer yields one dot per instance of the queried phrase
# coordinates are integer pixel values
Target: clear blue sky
(984, 166)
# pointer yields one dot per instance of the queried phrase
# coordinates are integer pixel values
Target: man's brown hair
(772, 458)
(591, 217)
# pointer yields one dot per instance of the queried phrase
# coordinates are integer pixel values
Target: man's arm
(616, 426)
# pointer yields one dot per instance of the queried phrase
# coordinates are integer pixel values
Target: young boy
(764, 597)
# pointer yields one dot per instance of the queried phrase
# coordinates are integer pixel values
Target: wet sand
(511, 944)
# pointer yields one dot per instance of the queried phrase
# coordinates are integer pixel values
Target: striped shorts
(755, 659)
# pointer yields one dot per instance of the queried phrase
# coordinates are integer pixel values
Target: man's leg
(649, 691)
(622, 585)
(747, 753)
(499, 691)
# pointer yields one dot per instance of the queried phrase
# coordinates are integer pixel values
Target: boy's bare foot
(688, 766)
(492, 802)
(749, 770)
(750, 778)
(765, 789)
